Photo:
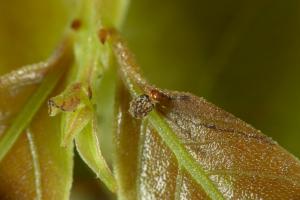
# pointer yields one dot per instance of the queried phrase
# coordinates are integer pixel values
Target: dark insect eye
(141, 106)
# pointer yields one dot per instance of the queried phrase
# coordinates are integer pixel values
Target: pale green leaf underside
(87, 144)
(74, 123)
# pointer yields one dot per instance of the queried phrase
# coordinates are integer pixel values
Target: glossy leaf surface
(191, 149)
(238, 160)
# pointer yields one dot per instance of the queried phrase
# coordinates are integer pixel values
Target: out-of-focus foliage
(29, 31)
(242, 55)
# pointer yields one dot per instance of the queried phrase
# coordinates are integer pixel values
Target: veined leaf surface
(188, 148)
(33, 164)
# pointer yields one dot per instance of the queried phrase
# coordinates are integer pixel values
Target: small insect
(141, 106)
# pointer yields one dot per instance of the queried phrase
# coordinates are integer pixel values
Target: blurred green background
(244, 56)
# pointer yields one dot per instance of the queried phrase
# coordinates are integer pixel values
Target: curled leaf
(77, 102)
(74, 97)
(88, 147)
(74, 123)
(78, 122)
(77, 110)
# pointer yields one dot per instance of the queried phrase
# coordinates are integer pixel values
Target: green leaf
(75, 123)
(87, 144)
(77, 102)
(190, 148)
(77, 110)
(78, 122)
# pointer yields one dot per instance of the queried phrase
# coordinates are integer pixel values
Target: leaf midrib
(182, 155)
(134, 83)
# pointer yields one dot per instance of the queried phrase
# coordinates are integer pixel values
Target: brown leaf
(188, 148)
(34, 166)
(239, 160)
(37, 167)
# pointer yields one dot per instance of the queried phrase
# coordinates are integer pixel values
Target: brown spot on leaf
(104, 33)
(76, 24)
